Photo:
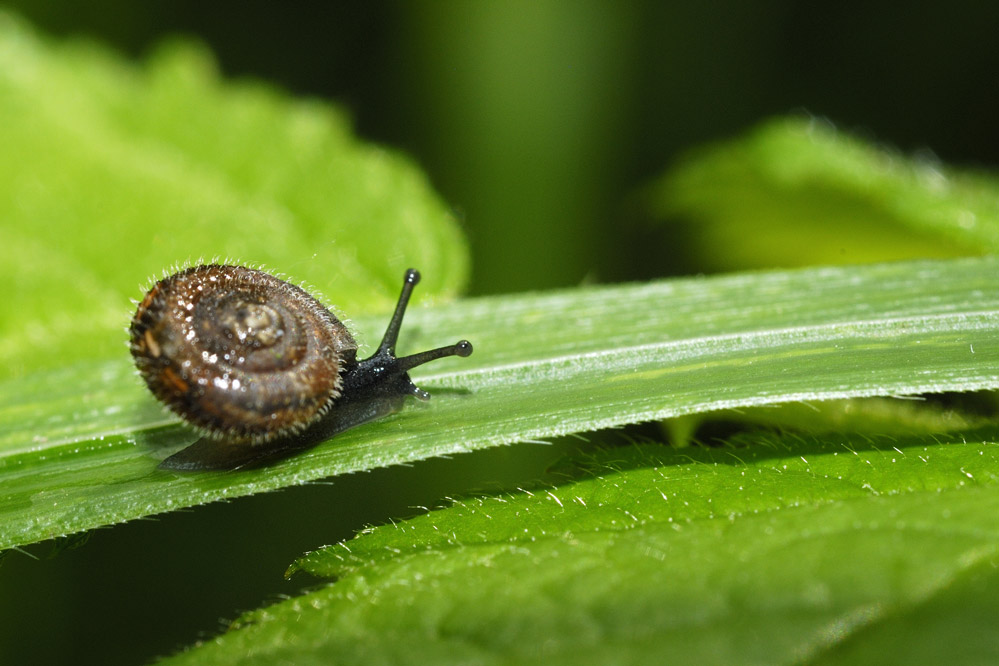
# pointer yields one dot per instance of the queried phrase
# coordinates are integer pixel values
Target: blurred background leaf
(536, 121)
(823, 197)
(111, 174)
(748, 553)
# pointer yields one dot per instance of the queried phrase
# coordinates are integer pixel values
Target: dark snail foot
(218, 454)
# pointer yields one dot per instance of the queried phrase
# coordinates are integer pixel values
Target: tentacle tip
(463, 348)
(412, 276)
(420, 393)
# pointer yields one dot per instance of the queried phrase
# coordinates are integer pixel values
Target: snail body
(261, 367)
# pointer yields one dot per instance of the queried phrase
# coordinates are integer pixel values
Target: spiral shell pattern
(239, 353)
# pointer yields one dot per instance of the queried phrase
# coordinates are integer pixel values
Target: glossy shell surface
(239, 353)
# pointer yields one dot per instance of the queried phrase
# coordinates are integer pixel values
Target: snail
(262, 368)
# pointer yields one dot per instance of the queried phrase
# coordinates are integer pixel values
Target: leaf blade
(745, 554)
(545, 365)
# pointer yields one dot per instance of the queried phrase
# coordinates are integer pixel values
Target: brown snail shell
(260, 366)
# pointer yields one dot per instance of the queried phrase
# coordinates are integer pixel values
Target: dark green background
(539, 122)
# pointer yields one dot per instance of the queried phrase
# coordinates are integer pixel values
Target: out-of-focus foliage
(112, 173)
(796, 192)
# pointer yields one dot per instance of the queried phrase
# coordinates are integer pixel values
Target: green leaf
(780, 550)
(79, 447)
(111, 173)
(796, 192)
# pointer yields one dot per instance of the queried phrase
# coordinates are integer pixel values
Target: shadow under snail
(262, 368)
